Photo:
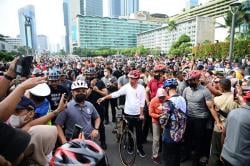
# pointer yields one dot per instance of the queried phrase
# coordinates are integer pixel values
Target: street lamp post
(234, 7)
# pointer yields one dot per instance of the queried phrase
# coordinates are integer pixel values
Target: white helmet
(79, 84)
(40, 90)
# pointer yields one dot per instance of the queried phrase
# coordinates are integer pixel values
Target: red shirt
(153, 85)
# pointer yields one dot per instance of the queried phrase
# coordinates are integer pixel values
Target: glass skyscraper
(27, 26)
(98, 32)
(191, 3)
(114, 8)
(66, 23)
(129, 6)
(91, 7)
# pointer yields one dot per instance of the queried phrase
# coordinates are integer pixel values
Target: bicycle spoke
(127, 148)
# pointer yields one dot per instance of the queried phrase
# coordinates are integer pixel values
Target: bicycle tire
(127, 157)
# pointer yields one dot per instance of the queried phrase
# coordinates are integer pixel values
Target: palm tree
(171, 25)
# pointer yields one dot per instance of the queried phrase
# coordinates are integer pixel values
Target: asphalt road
(113, 151)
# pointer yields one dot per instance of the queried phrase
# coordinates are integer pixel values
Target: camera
(24, 65)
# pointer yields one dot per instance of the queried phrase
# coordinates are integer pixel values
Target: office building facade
(27, 26)
(42, 43)
(98, 32)
(191, 3)
(114, 8)
(66, 24)
(82, 7)
(199, 30)
(212, 8)
(129, 6)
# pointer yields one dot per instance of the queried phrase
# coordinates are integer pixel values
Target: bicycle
(126, 139)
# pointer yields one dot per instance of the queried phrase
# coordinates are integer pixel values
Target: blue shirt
(75, 114)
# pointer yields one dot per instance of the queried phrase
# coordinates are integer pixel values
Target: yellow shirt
(239, 76)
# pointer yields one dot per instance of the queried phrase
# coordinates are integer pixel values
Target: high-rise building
(191, 3)
(114, 8)
(10, 44)
(85, 8)
(27, 26)
(99, 32)
(198, 29)
(42, 43)
(66, 24)
(129, 6)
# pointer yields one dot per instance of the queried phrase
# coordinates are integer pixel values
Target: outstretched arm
(8, 105)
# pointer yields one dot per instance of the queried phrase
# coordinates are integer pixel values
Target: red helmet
(160, 67)
(247, 96)
(193, 75)
(134, 74)
(79, 152)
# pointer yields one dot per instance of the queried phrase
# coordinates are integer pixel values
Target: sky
(49, 15)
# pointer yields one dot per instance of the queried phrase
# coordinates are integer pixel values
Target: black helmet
(79, 152)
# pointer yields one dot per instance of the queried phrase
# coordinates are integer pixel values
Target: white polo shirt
(135, 98)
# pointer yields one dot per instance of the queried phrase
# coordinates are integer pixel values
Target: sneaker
(156, 160)
(141, 152)
(130, 150)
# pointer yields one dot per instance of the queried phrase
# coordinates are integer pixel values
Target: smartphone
(65, 97)
(24, 65)
(77, 130)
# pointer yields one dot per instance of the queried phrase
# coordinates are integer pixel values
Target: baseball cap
(25, 103)
(161, 92)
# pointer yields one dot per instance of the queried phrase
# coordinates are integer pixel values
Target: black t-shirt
(94, 96)
(55, 96)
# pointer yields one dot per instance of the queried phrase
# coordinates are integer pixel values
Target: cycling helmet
(53, 75)
(134, 74)
(79, 152)
(193, 75)
(170, 83)
(160, 67)
(247, 96)
(79, 84)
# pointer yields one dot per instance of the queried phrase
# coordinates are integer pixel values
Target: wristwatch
(96, 128)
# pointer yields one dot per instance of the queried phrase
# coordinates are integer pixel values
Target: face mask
(80, 98)
(17, 121)
(192, 85)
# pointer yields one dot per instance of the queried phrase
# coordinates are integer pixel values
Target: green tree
(171, 25)
(182, 46)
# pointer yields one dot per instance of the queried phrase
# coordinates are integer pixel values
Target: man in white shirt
(134, 104)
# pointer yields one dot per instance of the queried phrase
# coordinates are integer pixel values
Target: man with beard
(96, 90)
(80, 112)
(199, 105)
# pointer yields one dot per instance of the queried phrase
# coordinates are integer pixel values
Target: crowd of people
(194, 109)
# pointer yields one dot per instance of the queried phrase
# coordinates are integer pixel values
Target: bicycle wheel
(127, 148)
